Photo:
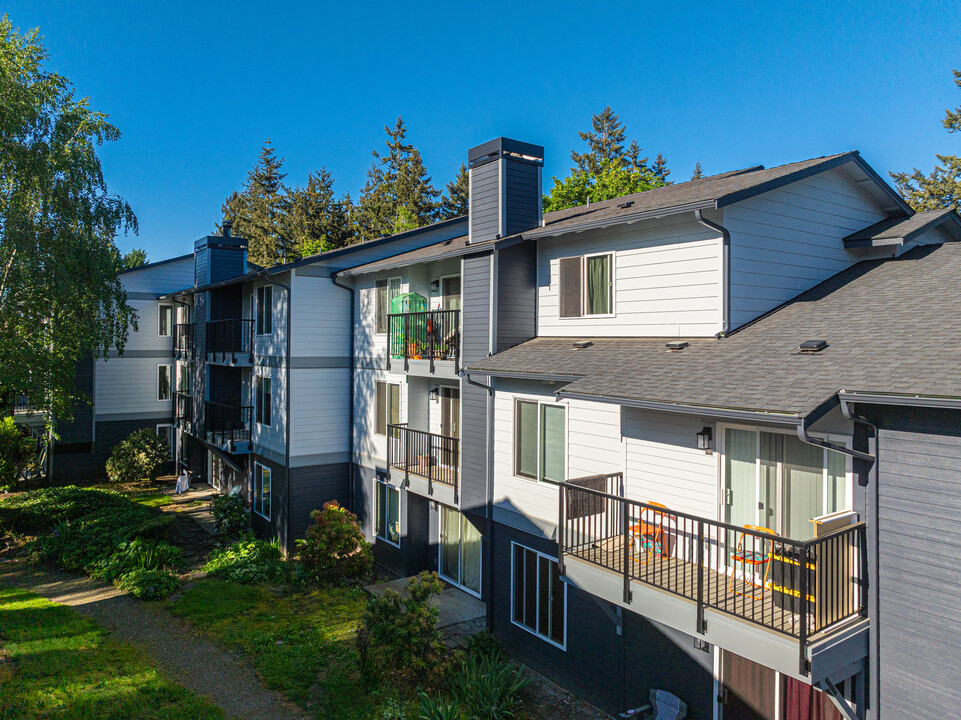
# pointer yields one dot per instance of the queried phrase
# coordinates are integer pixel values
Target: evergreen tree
(455, 201)
(259, 211)
(398, 194)
(660, 169)
(612, 181)
(942, 188)
(698, 171)
(316, 220)
(634, 160)
(134, 258)
(606, 142)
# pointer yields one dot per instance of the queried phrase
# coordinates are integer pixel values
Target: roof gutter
(921, 401)
(546, 377)
(548, 231)
(725, 270)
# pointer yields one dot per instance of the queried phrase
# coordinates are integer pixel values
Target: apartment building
(704, 438)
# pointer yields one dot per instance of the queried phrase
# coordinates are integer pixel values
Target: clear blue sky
(197, 87)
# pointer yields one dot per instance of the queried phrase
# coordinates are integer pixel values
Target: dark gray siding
(74, 463)
(613, 672)
(919, 568)
(226, 263)
(80, 429)
(516, 294)
(522, 196)
(310, 488)
(485, 198)
(274, 527)
(475, 313)
(201, 267)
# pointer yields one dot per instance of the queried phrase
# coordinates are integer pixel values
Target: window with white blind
(165, 320)
(540, 441)
(586, 286)
(164, 381)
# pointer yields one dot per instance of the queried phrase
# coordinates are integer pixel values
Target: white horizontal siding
(146, 336)
(274, 344)
(321, 318)
(664, 464)
(271, 437)
(319, 411)
(129, 385)
(667, 280)
(161, 279)
(368, 444)
(788, 240)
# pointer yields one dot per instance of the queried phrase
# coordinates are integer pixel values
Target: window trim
(387, 384)
(173, 319)
(583, 289)
(170, 436)
(258, 500)
(400, 289)
(540, 403)
(537, 585)
(259, 400)
(264, 320)
(170, 382)
(377, 482)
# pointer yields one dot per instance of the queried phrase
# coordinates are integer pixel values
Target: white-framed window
(384, 293)
(586, 286)
(387, 500)
(540, 440)
(164, 381)
(265, 310)
(263, 401)
(166, 431)
(262, 490)
(183, 378)
(165, 320)
(387, 406)
(538, 595)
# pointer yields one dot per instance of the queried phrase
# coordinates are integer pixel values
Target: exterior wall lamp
(704, 439)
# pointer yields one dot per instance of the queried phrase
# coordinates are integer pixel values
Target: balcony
(740, 589)
(425, 341)
(183, 340)
(229, 342)
(427, 462)
(228, 426)
(183, 410)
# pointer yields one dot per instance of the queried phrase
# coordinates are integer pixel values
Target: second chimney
(505, 188)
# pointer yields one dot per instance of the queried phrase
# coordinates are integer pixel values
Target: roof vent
(625, 204)
(677, 345)
(812, 346)
(581, 344)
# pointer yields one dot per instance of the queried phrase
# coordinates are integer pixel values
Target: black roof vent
(625, 204)
(581, 344)
(677, 345)
(812, 346)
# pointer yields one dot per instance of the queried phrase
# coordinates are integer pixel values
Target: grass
(144, 493)
(56, 664)
(301, 644)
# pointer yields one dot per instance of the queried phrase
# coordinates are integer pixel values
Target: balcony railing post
(626, 561)
(699, 559)
(803, 606)
(431, 326)
(430, 464)
(406, 342)
(561, 527)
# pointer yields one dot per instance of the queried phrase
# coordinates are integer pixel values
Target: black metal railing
(227, 423)
(230, 337)
(183, 338)
(798, 588)
(431, 456)
(183, 409)
(431, 335)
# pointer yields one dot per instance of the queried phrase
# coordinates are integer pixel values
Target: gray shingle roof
(428, 253)
(892, 326)
(896, 231)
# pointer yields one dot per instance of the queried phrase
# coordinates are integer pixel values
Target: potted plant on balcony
(426, 460)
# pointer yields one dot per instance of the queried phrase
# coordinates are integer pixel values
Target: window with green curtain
(525, 438)
(552, 443)
(599, 300)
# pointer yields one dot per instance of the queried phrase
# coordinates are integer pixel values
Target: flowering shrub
(335, 549)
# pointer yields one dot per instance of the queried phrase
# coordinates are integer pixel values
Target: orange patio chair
(752, 556)
(649, 531)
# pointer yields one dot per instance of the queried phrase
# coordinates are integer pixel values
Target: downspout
(725, 271)
(802, 433)
(290, 310)
(489, 555)
(350, 385)
(180, 462)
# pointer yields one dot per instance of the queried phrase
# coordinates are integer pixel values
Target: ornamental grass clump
(335, 549)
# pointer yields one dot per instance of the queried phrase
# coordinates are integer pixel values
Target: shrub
(38, 511)
(401, 633)
(138, 555)
(437, 709)
(16, 453)
(149, 584)
(335, 549)
(139, 457)
(248, 562)
(484, 643)
(487, 686)
(232, 518)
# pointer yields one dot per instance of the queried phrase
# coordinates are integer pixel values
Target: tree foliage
(138, 457)
(942, 187)
(398, 194)
(134, 258)
(455, 201)
(60, 297)
(16, 453)
(317, 221)
(607, 169)
(698, 171)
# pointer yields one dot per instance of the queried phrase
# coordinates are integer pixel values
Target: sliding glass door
(460, 550)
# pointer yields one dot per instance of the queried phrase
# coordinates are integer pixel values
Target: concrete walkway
(202, 514)
(184, 656)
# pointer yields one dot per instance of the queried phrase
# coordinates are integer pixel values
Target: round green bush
(335, 549)
(139, 457)
(149, 584)
(232, 519)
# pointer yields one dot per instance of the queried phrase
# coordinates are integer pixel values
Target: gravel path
(183, 655)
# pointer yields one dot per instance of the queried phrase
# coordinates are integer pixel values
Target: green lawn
(149, 494)
(301, 644)
(56, 664)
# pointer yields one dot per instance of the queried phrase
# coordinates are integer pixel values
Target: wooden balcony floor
(441, 473)
(679, 577)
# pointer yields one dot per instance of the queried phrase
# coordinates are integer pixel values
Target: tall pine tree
(259, 211)
(698, 171)
(605, 142)
(398, 194)
(455, 201)
(316, 220)
(660, 169)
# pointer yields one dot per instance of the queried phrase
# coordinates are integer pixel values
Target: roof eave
(548, 231)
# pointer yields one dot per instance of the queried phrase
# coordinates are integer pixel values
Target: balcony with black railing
(658, 561)
(424, 339)
(183, 339)
(230, 342)
(428, 463)
(183, 410)
(228, 426)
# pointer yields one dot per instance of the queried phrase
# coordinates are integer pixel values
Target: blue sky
(197, 87)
